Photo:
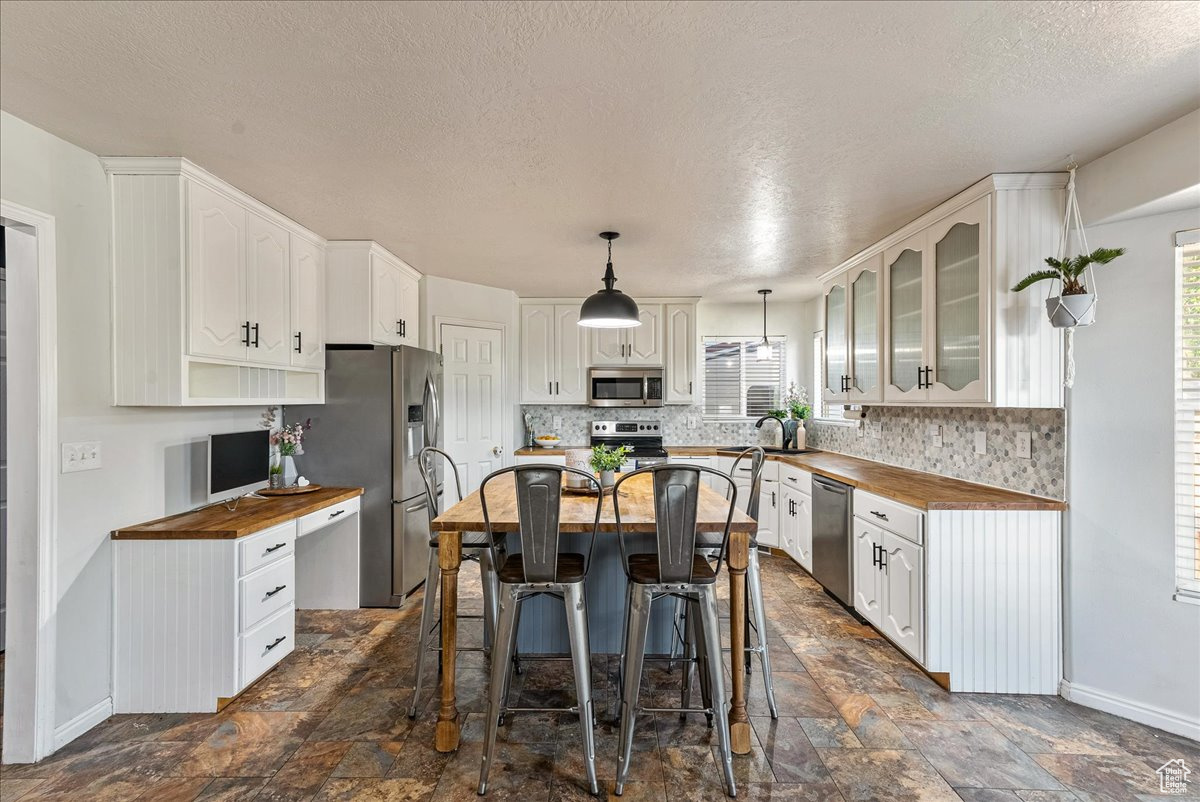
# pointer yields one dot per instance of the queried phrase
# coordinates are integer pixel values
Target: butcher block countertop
(926, 491)
(252, 515)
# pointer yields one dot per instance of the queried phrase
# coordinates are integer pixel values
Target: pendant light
(609, 308)
(764, 350)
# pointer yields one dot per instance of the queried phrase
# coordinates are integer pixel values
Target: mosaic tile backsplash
(903, 439)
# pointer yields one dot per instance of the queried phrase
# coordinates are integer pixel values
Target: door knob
(496, 450)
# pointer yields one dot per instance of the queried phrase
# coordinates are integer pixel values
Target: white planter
(1067, 311)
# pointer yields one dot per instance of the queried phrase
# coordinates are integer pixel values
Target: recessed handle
(276, 547)
(278, 588)
(277, 641)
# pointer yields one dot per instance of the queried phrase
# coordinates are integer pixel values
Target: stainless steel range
(643, 436)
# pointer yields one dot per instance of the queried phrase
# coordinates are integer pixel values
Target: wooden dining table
(577, 515)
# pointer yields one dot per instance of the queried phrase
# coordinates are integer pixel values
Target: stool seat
(570, 569)
(643, 570)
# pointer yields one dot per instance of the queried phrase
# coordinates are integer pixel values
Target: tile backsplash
(903, 440)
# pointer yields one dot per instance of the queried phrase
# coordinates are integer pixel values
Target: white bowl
(548, 443)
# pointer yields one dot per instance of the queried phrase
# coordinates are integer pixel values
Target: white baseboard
(65, 733)
(1149, 715)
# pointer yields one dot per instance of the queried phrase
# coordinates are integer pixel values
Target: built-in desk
(205, 601)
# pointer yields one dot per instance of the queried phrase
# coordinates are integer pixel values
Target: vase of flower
(288, 441)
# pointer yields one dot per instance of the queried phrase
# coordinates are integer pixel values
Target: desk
(576, 515)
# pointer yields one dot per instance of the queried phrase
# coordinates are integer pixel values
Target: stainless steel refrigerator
(382, 406)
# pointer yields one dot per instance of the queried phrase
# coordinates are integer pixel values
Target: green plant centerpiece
(605, 461)
(1075, 305)
(795, 411)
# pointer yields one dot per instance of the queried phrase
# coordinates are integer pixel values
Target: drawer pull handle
(277, 641)
(271, 593)
(879, 515)
(336, 513)
(276, 547)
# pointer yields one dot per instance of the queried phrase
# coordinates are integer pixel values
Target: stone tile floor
(858, 722)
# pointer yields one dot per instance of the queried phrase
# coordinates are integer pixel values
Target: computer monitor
(237, 463)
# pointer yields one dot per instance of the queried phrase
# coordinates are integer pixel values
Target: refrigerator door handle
(420, 505)
(433, 412)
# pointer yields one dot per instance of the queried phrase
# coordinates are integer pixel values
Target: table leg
(739, 721)
(449, 559)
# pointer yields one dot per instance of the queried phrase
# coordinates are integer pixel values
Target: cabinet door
(905, 283)
(385, 302)
(268, 276)
(868, 578)
(644, 343)
(570, 356)
(786, 536)
(768, 513)
(903, 608)
(216, 248)
(837, 365)
(606, 347)
(680, 367)
(865, 371)
(957, 329)
(537, 353)
(802, 531)
(307, 304)
(408, 308)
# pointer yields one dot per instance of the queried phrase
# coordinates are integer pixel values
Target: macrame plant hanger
(1071, 215)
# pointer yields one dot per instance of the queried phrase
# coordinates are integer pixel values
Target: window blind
(1187, 414)
(736, 383)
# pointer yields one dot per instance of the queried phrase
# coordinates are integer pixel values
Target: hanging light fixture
(764, 350)
(609, 308)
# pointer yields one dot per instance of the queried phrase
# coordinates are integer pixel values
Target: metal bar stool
(540, 569)
(674, 570)
(756, 618)
(475, 547)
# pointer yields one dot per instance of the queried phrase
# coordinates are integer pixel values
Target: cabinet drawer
(890, 515)
(796, 478)
(267, 644)
(770, 469)
(268, 546)
(266, 591)
(328, 515)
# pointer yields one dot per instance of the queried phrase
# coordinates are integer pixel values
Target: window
(818, 378)
(1187, 415)
(736, 383)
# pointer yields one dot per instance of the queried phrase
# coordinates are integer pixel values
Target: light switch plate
(557, 424)
(935, 435)
(1024, 445)
(980, 442)
(692, 423)
(877, 429)
(83, 456)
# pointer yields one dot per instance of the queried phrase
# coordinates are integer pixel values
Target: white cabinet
(795, 514)
(682, 345)
(865, 542)
(202, 291)
(307, 347)
(802, 532)
(903, 602)
(373, 296)
(544, 459)
(707, 479)
(553, 355)
(888, 564)
(769, 505)
(947, 329)
(639, 345)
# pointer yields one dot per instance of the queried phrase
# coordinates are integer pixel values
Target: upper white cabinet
(373, 296)
(553, 355)
(640, 345)
(679, 320)
(926, 315)
(210, 288)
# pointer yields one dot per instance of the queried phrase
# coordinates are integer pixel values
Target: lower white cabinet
(544, 459)
(795, 525)
(888, 573)
(865, 542)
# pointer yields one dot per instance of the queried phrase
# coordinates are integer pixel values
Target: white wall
(792, 319)
(152, 466)
(1131, 649)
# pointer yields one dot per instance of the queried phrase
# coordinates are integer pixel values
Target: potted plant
(1075, 305)
(605, 461)
(275, 475)
(795, 411)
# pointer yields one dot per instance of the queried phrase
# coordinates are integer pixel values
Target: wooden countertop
(557, 451)
(926, 491)
(252, 515)
(578, 512)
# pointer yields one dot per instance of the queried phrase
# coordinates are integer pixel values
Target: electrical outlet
(557, 424)
(81, 456)
(692, 422)
(980, 442)
(862, 428)
(877, 429)
(935, 435)
(1024, 445)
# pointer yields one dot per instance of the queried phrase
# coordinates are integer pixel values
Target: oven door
(616, 388)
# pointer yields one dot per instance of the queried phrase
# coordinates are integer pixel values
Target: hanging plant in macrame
(1074, 276)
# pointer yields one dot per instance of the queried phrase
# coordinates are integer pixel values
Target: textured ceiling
(734, 145)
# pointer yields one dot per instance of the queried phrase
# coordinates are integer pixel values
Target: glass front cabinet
(853, 325)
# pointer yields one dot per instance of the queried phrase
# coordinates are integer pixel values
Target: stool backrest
(676, 507)
(756, 458)
(427, 465)
(538, 491)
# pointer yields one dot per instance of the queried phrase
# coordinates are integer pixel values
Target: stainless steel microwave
(625, 387)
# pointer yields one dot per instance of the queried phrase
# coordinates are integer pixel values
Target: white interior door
(473, 390)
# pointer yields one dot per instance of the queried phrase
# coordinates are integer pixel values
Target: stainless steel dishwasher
(831, 536)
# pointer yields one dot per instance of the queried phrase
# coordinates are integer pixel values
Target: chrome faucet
(758, 425)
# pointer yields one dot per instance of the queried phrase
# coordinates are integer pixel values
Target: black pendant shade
(609, 308)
